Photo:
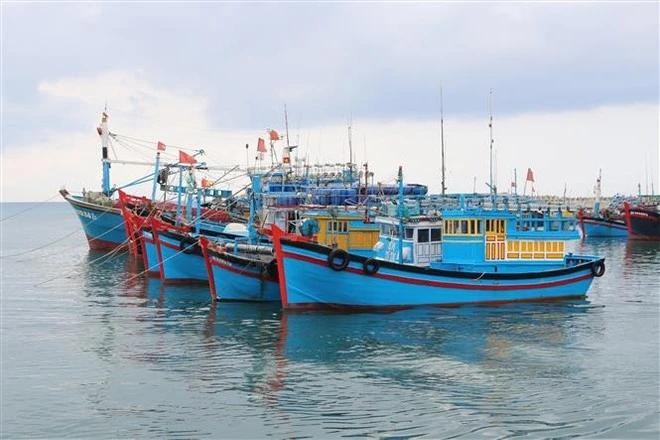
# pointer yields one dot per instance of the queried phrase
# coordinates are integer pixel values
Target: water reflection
(423, 371)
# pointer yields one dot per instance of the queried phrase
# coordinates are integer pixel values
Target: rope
(156, 265)
(62, 238)
(152, 143)
(111, 254)
(37, 205)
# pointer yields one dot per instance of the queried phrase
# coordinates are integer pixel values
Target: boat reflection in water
(408, 372)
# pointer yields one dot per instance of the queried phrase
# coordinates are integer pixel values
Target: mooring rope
(36, 205)
(57, 240)
(108, 256)
(156, 265)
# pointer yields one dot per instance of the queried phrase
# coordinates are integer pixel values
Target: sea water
(89, 348)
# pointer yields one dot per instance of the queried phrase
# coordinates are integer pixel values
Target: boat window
(422, 235)
(341, 226)
(409, 233)
(435, 234)
(464, 227)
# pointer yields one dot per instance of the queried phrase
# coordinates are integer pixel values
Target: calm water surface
(90, 350)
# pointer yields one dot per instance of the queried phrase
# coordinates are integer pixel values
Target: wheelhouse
(491, 239)
(421, 242)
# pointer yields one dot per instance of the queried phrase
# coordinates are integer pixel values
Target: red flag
(206, 183)
(160, 146)
(274, 136)
(186, 158)
(530, 175)
(261, 146)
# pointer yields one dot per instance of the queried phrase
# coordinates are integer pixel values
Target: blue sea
(89, 350)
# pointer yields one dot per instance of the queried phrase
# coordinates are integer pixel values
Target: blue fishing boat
(150, 256)
(100, 218)
(180, 257)
(98, 213)
(607, 222)
(246, 270)
(241, 272)
(467, 255)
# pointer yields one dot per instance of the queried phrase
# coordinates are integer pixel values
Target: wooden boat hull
(180, 257)
(241, 278)
(308, 282)
(643, 223)
(150, 256)
(600, 227)
(103, 225)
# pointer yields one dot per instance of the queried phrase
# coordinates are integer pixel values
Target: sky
(575, 88)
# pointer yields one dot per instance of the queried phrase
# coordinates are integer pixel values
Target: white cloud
(560, 147)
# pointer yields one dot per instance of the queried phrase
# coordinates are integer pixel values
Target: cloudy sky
(575, 88)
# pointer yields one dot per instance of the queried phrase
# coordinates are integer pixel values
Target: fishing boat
(97, 211)
(463, 256)
(608, 222)
(247, 270)
(100, 218)
(643, 221)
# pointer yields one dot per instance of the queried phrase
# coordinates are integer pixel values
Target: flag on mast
(530, 175)
(160, 146)
(274, 136)
(186, 158)
(261, 146)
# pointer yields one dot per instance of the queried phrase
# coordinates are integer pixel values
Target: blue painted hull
(178, 266)
(238, 279)
(308, 282)
(104, 226)
(150, 254)
(595, 227)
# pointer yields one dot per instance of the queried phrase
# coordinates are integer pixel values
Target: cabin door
(428, 245)
(495, 239)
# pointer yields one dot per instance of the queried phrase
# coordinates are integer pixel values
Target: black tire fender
(270, 268)
(370, 266)
(598, 269)
(338, 259)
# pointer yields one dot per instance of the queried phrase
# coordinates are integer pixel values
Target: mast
(155, 183)
(597, 195)
(350, 150)
(442, 142)
(493, 190)
(350, 142)
(515, 181)
(105, 138)
(400, 213)
(286, 125)
(255, 206)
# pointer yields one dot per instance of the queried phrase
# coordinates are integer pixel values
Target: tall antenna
(350, 142)
(490, 128)
(442, 141)
(286, 124)
(350, 150)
